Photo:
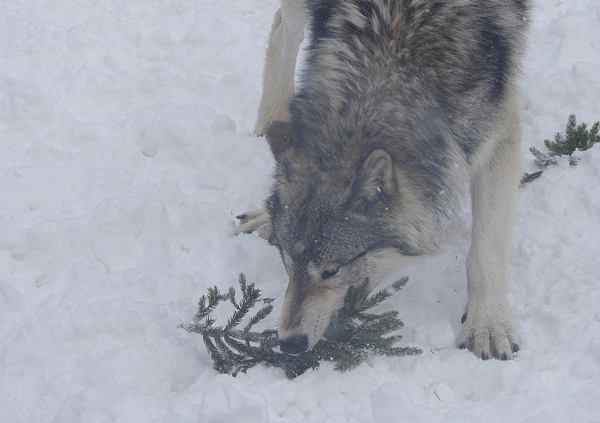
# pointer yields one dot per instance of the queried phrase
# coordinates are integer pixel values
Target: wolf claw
(256, 221)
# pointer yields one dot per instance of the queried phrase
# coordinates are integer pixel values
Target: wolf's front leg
(286, 36)
(256, 221)
(488, 330)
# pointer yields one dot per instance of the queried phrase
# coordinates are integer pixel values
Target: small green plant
(353, 335)
(575, 138)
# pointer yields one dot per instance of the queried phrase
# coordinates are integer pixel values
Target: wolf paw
(488, 340)
(256, 221)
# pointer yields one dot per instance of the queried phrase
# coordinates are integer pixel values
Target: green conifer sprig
(577, 137)
(353, 335)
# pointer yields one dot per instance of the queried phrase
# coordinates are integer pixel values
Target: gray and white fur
(403, 105)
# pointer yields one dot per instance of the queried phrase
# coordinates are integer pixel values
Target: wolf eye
(329, 273)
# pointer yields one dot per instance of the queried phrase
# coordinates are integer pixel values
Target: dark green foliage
(232, 350)
(352, 336)
(575, 138)
(354, 333)
(528, 177)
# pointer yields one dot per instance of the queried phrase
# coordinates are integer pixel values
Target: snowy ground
(126, 152)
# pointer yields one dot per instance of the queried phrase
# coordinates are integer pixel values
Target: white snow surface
(125, 154)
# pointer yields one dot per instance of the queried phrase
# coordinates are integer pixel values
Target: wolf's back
(408, 63)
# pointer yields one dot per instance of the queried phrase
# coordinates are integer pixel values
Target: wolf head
(335, 222)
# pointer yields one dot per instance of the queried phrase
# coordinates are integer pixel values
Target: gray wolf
(402, 107)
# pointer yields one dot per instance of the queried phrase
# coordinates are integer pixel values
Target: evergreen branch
(353, 335)
(594, 136)
(528, 177)
(231, 297)
(541, 159)
(214, 298)
(399, 284)
(260, 315)
(575, 138)
(219, 362)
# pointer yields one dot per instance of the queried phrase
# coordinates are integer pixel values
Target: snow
(125, 154)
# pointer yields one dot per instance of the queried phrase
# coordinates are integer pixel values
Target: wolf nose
(294, 344)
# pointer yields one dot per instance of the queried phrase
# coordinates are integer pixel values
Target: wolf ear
(376, 175)
(281, 138)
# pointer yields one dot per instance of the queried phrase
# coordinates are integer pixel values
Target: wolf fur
(403, 105)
